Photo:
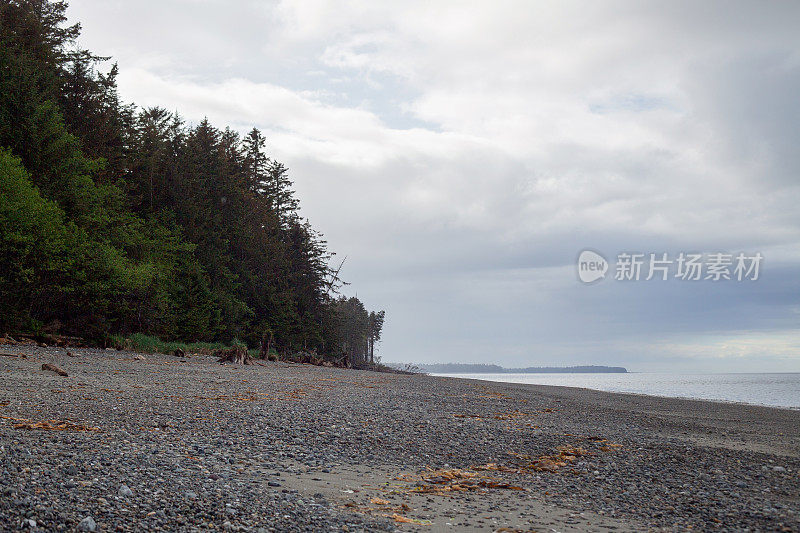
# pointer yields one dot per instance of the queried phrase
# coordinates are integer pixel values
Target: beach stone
(87, 525)
(125, 491)
(311, 419)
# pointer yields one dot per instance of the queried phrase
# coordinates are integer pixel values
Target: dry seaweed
(453, 480)
(48, 425)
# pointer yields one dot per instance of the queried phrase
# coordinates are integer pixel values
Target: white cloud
(537, 129)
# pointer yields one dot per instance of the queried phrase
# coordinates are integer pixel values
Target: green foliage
(140, 342)
(357, 330)
(36, 246)
(128, 223)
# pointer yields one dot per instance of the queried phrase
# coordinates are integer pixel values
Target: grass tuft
(139, 342)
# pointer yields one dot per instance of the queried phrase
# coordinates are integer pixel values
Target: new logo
(591, 266)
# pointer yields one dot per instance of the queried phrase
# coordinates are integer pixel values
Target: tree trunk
(266, 344)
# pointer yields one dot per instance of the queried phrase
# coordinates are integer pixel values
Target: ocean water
(776, 390)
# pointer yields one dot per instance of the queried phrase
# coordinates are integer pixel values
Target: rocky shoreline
(132, 443)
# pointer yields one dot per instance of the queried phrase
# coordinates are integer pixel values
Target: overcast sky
(462, 155)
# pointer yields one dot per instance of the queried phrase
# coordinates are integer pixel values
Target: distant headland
(464, 368)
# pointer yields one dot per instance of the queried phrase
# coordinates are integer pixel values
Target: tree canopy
(120, 219)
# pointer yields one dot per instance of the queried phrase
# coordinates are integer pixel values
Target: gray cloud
(462, 155)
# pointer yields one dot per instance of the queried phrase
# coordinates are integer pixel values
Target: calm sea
(777, 390)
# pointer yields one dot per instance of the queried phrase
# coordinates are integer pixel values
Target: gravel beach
(130, 442)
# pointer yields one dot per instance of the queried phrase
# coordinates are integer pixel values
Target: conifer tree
(137, 223)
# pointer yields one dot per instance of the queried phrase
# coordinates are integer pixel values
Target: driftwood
(240, 355)
(53, 368)
(43, 340)
(236, 354)
(307, 358)
(8, 339)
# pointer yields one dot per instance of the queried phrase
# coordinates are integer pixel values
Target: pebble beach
(135, 442)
